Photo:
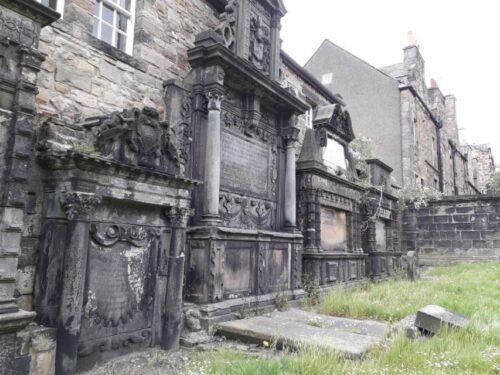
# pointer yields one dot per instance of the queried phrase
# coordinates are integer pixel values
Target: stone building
(125, 128)
(481, 166)
(413, 127)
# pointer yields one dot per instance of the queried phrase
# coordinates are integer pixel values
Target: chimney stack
(434, 84)
(411, 39)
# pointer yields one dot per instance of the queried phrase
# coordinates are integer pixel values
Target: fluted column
(290, 138)
(178, 217)
(78, 207)
(211, 185)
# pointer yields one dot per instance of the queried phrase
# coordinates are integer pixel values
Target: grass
(472, 290)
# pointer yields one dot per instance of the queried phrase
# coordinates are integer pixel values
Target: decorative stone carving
(335, 119)
(260, 44)
(138, 137)
(79, 204)
(179, 216)
(290, 135)
(214, 100)
(227, 26)
(135, 235)
(17, 30)
(245, 212)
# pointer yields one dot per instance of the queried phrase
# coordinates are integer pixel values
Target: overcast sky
(459, 40)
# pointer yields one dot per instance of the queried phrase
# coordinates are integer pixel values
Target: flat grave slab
(297, 328)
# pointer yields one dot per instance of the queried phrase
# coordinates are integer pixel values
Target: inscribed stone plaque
(237, 277)
(380, 235)
(245, 164)
(333, 229)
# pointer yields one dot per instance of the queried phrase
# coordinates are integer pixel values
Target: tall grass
(472, 290)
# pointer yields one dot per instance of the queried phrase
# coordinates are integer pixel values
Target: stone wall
(481, 166)
(83, 76)
(455, 229)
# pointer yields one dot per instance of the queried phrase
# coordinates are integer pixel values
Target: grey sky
(459, 40)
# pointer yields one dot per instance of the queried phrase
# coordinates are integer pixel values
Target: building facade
(412, 127)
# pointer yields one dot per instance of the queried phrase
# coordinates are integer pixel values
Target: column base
(15, 321)
(211, 220)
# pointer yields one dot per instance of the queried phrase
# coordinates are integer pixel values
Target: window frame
(117, 9)
(59, 7)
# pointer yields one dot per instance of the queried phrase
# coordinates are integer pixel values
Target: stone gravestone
(412, 269)
(110, 271)
(329, 202)
(20, 61)
(243, 248)
(431, 318)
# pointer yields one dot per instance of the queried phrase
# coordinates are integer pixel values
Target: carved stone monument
(330, 201)
(111, 258)
(20, 60)
(243, 247)
(381, 236)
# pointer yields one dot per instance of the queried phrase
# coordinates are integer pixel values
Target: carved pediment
(335, 119)
(138, 137)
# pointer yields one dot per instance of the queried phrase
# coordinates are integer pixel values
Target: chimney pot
(434, 84)
(411, 39)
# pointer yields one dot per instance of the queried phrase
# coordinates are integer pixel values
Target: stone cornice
(210, 50)
(33, 10)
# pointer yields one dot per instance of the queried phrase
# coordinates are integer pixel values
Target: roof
(309, 78)
(331, 44)
(394, 70)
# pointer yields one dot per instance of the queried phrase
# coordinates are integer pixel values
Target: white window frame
(130, 14)
(59, 7)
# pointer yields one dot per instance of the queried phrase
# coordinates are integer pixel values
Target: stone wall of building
(83, 76)
(454, 229)
(372, 97)
(481, 166)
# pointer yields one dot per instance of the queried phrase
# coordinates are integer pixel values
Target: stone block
(412, 266)
(431, 318)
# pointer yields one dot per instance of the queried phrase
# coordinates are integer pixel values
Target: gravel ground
(155, 361)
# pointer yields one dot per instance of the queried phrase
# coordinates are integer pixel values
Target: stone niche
(381, 237)
(243, 246)
(111, 256)
(330, 201)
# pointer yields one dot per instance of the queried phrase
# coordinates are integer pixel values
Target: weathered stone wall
(481, 166)
(83, 76)
(455, 229)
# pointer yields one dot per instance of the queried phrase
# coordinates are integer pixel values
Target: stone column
(172, 325)
(78, 206)
(290, 137)
(20, 24)
(211, 185)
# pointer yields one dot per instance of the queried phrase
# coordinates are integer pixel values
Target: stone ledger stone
(431, 318)
(297, 328)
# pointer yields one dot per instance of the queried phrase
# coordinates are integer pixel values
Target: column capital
(78, 205)
(214, 98)
(290, 135)
(179, 216)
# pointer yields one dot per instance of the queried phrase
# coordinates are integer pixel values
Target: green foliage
(85, 149)
(473, 290)
(281, 300)
(494, 188)
(417, 195)
(361, 149)
(311, 288)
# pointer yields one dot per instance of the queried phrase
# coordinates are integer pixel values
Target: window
(415, 131)
(327, 78)
(434, 152)
(114, 23)
(309, 118)
(57, 5)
